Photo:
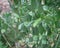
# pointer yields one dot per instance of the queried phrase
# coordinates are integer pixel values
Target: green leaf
(3, 30)
(36, 22)
(44, 41)
(35, 38)
(45, 8)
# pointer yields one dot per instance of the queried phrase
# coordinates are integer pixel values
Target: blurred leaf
(36, 22)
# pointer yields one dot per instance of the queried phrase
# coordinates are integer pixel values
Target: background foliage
(31, 24)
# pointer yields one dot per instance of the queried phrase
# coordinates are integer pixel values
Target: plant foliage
(34, 23)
